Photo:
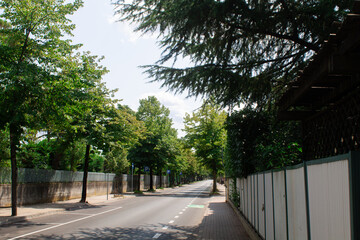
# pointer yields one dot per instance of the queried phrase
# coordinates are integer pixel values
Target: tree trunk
(151, 179)
(86, 169)
(160, 177)
(139, 179)
(13, 145)
(214, 182)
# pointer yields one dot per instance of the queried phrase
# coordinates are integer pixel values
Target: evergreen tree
(242, 51)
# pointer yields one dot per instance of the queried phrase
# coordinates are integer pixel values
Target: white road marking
(157, 235)
(85, 214)
(62, 224)
(166, 227)
(172, 221)
(176, 216)
(180, 212)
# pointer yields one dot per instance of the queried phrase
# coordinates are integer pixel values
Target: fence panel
(238, 188)
(329, 200)
(28, 175)
(231, 187)
(269, 210)
(255, 201)
(296, 203)
(146, 181)
(279, 204)
(242, 197)
(261, 205)
(249, 198)
(246, 197)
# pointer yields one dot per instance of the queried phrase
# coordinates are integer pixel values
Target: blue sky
(124, 51)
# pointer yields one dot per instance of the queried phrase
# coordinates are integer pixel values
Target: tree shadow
(142, 232)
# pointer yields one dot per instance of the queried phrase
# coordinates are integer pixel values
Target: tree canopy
(205, 132)
(257, 142)
(242, 51)
(157, 147)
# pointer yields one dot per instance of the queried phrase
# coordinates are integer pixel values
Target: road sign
(180, 173)
(146, 169)
(168, 171)
(132, 165)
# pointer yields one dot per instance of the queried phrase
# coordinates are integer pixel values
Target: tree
(257, 142)
(31, 34)
(242, 51)
(123, 131)
(155, 149)
(188, 163)
(205, 132)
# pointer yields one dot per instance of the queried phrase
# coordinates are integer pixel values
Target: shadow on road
(145, 232)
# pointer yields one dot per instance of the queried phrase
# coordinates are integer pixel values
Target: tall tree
(205, 131)
(31, 36)
(152, 151)
(241, 50)
(122, 132)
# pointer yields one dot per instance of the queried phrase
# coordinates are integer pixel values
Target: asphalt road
(171, 214)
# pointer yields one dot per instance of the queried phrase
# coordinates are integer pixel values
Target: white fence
(315, 200)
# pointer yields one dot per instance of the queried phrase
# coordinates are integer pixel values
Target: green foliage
(205, 132)
(97, 162)
(242, 50)
(235, 196)
(4, 148)
(256, 142)
(34, 155)
(158, 145)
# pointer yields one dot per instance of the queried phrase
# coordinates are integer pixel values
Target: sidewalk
(220, 220)
(32, 211)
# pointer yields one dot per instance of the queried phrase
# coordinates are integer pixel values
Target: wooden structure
(326, 94)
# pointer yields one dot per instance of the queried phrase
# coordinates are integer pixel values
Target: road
(172, 214)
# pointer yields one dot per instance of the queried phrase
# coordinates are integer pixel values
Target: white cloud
(128, 30)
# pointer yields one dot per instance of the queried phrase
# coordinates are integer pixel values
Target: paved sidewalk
(32, 211)
(220, 220)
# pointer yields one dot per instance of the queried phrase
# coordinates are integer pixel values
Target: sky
(124, 51)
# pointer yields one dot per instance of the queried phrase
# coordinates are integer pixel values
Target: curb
(248, 228)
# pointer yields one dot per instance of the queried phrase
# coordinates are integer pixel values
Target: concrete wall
(32, 193)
